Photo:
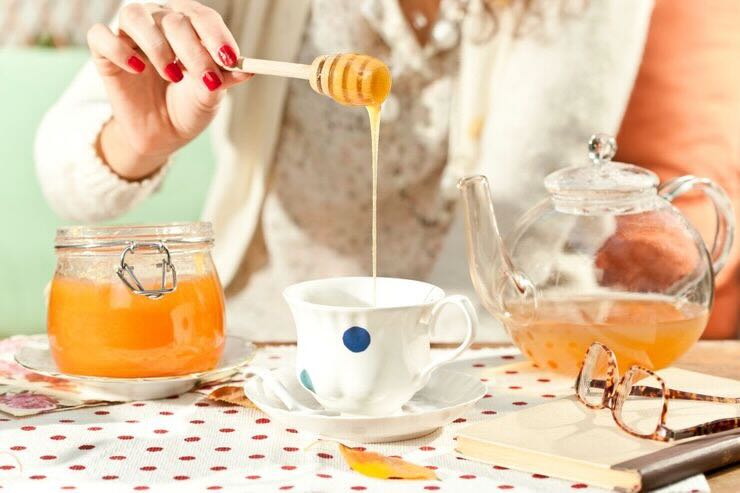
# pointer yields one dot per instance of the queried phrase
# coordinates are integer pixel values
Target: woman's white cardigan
(523, 107)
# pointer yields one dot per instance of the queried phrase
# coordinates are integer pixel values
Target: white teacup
(360, 357)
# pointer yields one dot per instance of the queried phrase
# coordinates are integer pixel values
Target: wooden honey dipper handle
(346, 78)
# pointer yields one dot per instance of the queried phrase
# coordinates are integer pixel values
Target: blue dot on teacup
(356, 339)
(306, 380)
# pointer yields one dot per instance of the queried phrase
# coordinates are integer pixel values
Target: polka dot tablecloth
(191, 444)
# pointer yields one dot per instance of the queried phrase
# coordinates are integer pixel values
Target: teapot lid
(603, 178)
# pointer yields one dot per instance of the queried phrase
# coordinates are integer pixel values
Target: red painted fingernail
(136, 63)
(227, 55)
(211, 80)
(173, 72)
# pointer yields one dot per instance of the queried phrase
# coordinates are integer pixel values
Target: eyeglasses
(639, 409)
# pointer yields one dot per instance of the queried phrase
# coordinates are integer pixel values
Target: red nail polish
(211, 80)
(227, 55)
(136, 63)
(173, 72)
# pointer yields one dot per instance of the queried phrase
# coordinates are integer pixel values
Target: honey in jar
(136, 301)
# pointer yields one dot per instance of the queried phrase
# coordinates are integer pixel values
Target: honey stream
(374, 114)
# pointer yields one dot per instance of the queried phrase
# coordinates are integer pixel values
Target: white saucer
(237, 353)
(447, 395)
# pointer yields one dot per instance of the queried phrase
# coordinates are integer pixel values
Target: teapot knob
(601, 147)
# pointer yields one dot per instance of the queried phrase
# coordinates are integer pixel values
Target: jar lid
(603, 178)
(117, 235)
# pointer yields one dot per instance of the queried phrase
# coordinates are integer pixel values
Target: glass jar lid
(603, 179)
(93, 237)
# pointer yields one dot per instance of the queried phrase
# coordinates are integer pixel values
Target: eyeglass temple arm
(644, 391)
(716, 426)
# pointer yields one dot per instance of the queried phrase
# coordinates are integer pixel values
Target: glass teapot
(605, 257)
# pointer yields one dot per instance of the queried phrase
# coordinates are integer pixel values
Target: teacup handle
(471, 318)
(725, 229)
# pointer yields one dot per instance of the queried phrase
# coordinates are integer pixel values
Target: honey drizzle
(374, 114)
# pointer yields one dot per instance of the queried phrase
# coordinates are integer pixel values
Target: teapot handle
(725, 229)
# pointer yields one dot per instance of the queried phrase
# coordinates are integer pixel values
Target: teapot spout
(491, 269)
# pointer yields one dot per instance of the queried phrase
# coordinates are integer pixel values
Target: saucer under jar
(135, 301)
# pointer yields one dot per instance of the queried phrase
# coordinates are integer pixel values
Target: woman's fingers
(137, 22)
(212, 30)
(111, 53)
(189, 50)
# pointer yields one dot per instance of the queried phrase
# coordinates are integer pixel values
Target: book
(565, 439)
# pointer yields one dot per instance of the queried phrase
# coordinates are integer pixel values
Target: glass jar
(135, 301)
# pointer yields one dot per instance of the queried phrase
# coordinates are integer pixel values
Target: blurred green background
(31, 79)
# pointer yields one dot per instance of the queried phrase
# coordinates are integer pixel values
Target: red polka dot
(7, 467)
(222, 449)
(478, 365)
(86, 447)
(125, 437)
(539, 476)
(197, 422)
(117, 457)
(28, 428)
(161, 432)
(431, 487)
(192, 439)
(324, 455)
(514, 387)
(139, 404)
(262, 421)
(141, 488)
(69, 487)
(291, 449)
(286, 487)
(218, 468)
(253, 477)
(109, 478)
(226, 430)
(488, 412)
(501, 468)
(48, 457)
(181, 478)
(361, 449)
(187, 457)
(66, 420)
(511, 372)
(259, 437)
(505, 487)
(579, 486)
(460, 420)
(231, 411)
(274, 357)
(483, 379)
(148, 468)
(322, 475)
(154, 449)
(426, 448)
(166, 413)
(358, 488)
(291, 430)
(132, 421)
(519, 403)
(102, 413)
(37, 477)
(77, 467)
(487, 396)
(507, 356)
(58, 437)
(94, 428)
(202, 404)
(467, 476)
(213, 488)
(433, 468)
(256, 456)
(543, 380)
(288, 468)
(548, 396)
(17, 448)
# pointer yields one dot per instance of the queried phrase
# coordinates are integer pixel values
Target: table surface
(147, 443)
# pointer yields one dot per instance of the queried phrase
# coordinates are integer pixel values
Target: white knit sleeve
(78, 185)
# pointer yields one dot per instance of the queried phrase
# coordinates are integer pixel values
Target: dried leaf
(232, 395)
(374, 465)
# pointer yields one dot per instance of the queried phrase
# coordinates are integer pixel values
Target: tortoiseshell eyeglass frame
(614, 396)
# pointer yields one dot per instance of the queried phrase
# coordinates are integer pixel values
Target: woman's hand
(162, 79)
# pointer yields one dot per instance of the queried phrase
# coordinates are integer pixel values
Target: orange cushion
(684, 118)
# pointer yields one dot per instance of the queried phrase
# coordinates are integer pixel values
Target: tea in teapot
(605, 258)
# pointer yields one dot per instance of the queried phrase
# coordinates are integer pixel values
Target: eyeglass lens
(639, 402)
(593, 376)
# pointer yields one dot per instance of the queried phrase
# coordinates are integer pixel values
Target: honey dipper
(346, 78)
